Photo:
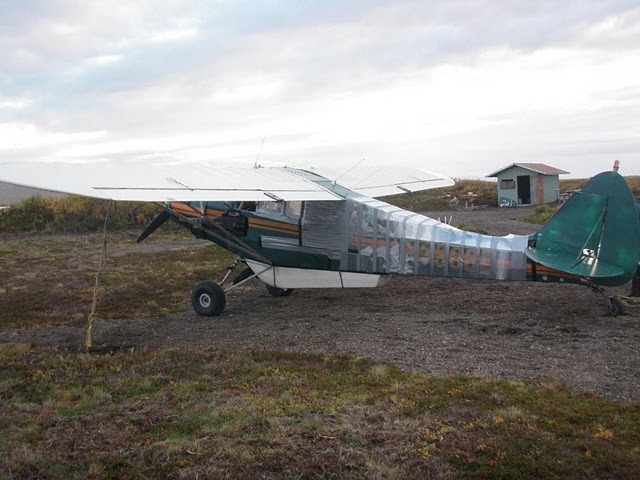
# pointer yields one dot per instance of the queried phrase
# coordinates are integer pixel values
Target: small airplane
(317, 228)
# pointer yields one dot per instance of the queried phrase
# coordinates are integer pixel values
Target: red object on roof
(534, 167)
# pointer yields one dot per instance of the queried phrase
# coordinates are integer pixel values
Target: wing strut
(154, 225)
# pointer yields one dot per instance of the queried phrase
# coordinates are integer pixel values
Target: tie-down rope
(103, 261)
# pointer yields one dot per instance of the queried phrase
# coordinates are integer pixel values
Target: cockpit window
(285, 211)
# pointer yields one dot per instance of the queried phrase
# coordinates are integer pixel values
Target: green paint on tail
(596, 234)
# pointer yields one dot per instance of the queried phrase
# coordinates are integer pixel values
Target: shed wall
(509, 197)
(551, 188)
(548, 189)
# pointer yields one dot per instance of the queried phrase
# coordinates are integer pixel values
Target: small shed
(528, 184)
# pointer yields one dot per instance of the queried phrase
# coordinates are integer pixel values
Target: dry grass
(188, 413)
(48, 279)
(234, 414)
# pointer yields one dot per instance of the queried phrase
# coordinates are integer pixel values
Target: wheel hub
(205, 300)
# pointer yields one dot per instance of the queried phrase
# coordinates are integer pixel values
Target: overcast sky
(458, 87)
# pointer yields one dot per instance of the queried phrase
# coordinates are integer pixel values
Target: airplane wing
(145, 182)
(135, 181)
(381, 181)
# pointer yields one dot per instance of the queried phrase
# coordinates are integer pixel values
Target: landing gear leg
(208, 298)
(247, 274)
(230, 270)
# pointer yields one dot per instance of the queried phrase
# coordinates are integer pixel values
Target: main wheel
(279, 292)
(208, 299)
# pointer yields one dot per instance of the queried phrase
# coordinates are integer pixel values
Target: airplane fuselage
(302, 242)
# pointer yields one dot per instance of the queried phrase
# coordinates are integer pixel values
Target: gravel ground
(508, 330)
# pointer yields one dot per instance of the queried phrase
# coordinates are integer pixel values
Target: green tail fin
(596, 234)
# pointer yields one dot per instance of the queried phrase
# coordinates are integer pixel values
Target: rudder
(595, 235)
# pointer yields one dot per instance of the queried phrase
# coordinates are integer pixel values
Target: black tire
(208, 299)
(279, 292)
(615, 307)
(243, 275)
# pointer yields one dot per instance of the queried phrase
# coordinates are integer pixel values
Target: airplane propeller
(154, 225)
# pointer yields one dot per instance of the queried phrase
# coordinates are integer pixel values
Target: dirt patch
(516, 331)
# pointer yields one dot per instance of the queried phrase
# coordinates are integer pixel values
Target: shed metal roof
(540, 168)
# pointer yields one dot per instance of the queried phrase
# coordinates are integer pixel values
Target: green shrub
(541, 214)
(447, 198)
(73, 214)
(28, 216)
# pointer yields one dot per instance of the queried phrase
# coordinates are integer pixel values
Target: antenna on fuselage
(255, 164)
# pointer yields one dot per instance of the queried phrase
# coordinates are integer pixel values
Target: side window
(248, 206)
(507, 184)
(270, 208)
(282, 211)
(293, 209)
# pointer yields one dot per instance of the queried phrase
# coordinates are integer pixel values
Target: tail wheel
(208, 299)
(279, 292)
(615, 307)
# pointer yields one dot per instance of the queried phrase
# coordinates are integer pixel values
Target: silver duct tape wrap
(322, 224)
(382, 238)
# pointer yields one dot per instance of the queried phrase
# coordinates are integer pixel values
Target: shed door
(524, 189)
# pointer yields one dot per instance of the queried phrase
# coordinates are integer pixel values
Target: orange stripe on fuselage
(274, 226)
(186, 210)
(542, 270)
(211, 213)
(191, 211)
(259, 223)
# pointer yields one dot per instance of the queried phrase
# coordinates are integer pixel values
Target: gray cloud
(238, 70)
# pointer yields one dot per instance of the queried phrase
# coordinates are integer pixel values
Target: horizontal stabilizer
(595, 235)
(586, 267)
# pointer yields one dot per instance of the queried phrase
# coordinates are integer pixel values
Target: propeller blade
(153, 226)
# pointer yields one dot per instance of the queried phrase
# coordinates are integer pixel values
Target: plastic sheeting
(382, 238)
(371, 236)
